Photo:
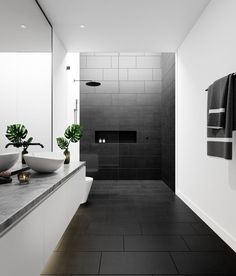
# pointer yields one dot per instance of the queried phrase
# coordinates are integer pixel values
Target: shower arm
(81, 80)
(89, 82)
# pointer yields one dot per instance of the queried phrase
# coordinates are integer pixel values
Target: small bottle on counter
(104, 141)
(100, 140)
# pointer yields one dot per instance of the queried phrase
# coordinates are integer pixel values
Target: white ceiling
(123, 25)
(37, 35)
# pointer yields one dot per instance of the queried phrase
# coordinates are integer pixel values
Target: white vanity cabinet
(26, 247)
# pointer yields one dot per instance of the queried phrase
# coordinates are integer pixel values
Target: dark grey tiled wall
(128, 99)
(168, 120)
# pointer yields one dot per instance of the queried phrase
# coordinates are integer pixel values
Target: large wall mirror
(25, 71)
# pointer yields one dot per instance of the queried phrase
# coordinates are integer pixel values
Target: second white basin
(8, 160)
(44, 162)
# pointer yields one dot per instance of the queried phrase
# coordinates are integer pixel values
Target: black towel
(221, 117)
(217, 100)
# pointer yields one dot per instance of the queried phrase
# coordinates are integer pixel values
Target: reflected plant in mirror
(16, 134)
(73, 133)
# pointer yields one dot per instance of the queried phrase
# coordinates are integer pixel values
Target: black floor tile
(122, 220)
(205, 262)
(181, 217)
(170, 218)
(202, 228)
(114, 275)
(155, 243)
(123, 216)
(95, 217)
(205, 243)
(126, 227)
(92, 243)
(136, 263)
(168, 229)
(73, 263)
(189, 275)
(76, 226)
(97, 228)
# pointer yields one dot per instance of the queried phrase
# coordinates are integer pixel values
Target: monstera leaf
(27, 142)
(74, 133)
(62, 143)
(16, 133)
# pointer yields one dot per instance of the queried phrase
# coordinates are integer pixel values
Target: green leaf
(29, 140)
(62, 143)
(16, 132)
(74, 133)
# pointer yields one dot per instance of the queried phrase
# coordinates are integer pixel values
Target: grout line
(181, 236)
(100, 262)
(174, 262)
(123, 242)
(223, 251)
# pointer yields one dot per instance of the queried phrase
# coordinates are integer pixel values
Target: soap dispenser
(100, 141)
(104, 141)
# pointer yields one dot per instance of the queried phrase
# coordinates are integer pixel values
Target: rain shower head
(93, 83)
(90, 82)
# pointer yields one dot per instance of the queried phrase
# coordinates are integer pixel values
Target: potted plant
(73, 133)
(16, 134)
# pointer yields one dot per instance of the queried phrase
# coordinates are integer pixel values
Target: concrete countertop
(18, 167)
(17, 200)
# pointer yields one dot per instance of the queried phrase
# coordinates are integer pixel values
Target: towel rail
(233, 74)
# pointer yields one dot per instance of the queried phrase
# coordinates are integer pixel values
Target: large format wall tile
(99, 62)
(140, 74)
(153, 86)
(91, 74)
(129, 99)
(132, 86)
(108, 87)
(149, 62)
(156, 74)
(127, 62)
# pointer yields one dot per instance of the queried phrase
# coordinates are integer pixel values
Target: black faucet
(23, 144)
(17, 145)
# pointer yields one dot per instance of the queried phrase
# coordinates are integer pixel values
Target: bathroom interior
(107, 163)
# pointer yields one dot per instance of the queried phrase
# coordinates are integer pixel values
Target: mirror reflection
(25, 71)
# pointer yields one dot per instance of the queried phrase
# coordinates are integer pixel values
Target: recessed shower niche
(115, 136)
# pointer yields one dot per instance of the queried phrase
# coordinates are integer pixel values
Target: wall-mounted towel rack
(233, 74)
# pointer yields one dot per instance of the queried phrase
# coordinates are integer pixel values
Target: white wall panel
(206, 184)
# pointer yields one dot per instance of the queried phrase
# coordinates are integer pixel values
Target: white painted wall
(25, 90)
(205, 183)
(59, 90)
(73, 60)
(65, 92)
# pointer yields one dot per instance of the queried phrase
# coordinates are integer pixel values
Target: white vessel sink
(8, 160)
(44, 162)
